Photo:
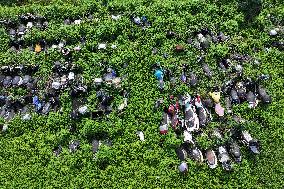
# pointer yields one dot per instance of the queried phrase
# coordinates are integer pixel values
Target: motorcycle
(180, 102)
(217, 134)
(46, 108)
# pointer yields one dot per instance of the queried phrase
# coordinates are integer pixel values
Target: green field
(26, 157)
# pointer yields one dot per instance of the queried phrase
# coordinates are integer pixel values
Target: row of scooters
(187, 116)
(18, 76)
(224, 152)
(17, 29)
(65, 76)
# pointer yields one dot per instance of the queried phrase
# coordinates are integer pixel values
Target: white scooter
(211, 159)
(191, 121)
(224, 158)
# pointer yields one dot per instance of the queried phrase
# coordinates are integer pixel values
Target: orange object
(37, 48)
(179, 48)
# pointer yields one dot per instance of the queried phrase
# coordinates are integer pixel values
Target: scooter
(187, 137)
(95, 145)
(211, 159)
(25, 114)
(228, 105)
(234, 96)
(192, 79)
(196, 154)
(183, 167)
(224, 158)
(235, 152)
(3, 127)
(74, 145)
(57, 150)
(181, 153)
(264, 96)
(251, 98)
(203, 113)
(253, 144)
(180, 102)
(217, 134)
(164, 123)
(207, 71)
(141, 135)
(191, 121)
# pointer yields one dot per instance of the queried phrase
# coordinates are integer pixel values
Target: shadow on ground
(12, 2)
(250, 8)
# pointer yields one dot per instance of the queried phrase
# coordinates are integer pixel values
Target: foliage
(26, 154)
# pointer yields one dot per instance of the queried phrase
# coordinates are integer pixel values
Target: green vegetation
(26, 158)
